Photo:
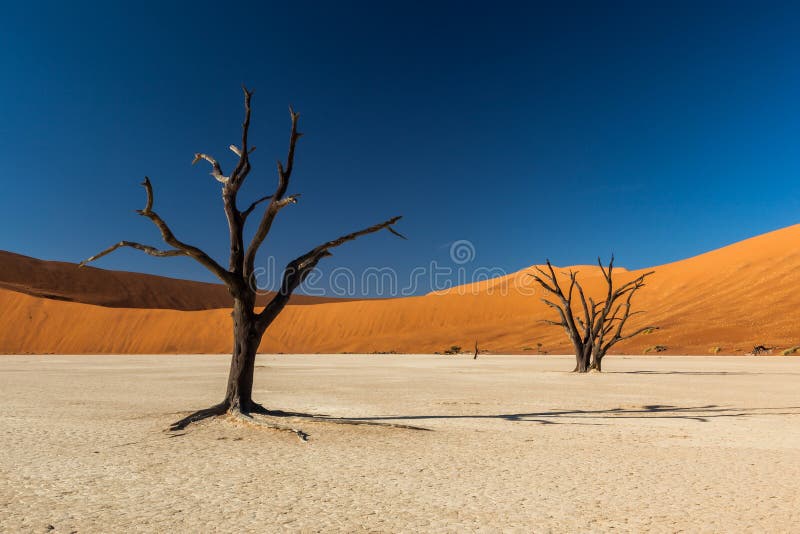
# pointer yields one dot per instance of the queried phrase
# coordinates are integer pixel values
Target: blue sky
(656, 130)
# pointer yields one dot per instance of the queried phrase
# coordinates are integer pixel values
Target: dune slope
(732, 298)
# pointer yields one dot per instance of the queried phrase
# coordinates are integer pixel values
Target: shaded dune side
(117, 289)
(733, 298)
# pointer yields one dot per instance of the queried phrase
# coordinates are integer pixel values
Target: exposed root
(260, 409)
(255, 408)
(250, 420)
(199, 415)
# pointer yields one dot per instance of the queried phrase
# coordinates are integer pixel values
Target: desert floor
(654, 444)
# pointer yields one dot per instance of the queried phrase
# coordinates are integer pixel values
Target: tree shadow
(695, 373)
(702, 414)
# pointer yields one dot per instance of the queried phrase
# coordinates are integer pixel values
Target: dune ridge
(731, 298)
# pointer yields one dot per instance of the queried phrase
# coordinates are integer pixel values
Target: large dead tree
(592, 327)
(249, 324)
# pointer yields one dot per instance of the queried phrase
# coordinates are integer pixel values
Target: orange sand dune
(731, 298)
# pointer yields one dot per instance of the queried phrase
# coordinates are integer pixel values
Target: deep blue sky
(657, 130)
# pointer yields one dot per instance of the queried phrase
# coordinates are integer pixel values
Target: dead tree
(596, 326)
(249, 324)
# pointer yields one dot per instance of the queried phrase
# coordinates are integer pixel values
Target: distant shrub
(527, 348)
(648, 331)
(715, 350)
(790, 351)
(454, 349)
(655, 348)
(761, 349)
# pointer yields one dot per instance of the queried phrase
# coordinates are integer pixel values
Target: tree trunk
(597, 357)
(246, 340)
(581, 358)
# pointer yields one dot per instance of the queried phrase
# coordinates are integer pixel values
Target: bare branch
(551, 304)
(238, 151)
(298, 269)
(586, 324)
(273, 206)
(554, 279)
(170, 239)
(618, 336)
(294, 136)
(616, 339)
(606, 273)
(308, 261)
(236, 219)
(243, 166)
(253, 206)
(550, 277)
(284, 176)
(632, 285)
(641, 330)
(216, 170)
(572, 280)
(395, 232)
(291, 199)
(144, 248)
(541, 281)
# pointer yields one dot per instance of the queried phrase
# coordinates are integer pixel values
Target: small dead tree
(249, 324)
(596, 326)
